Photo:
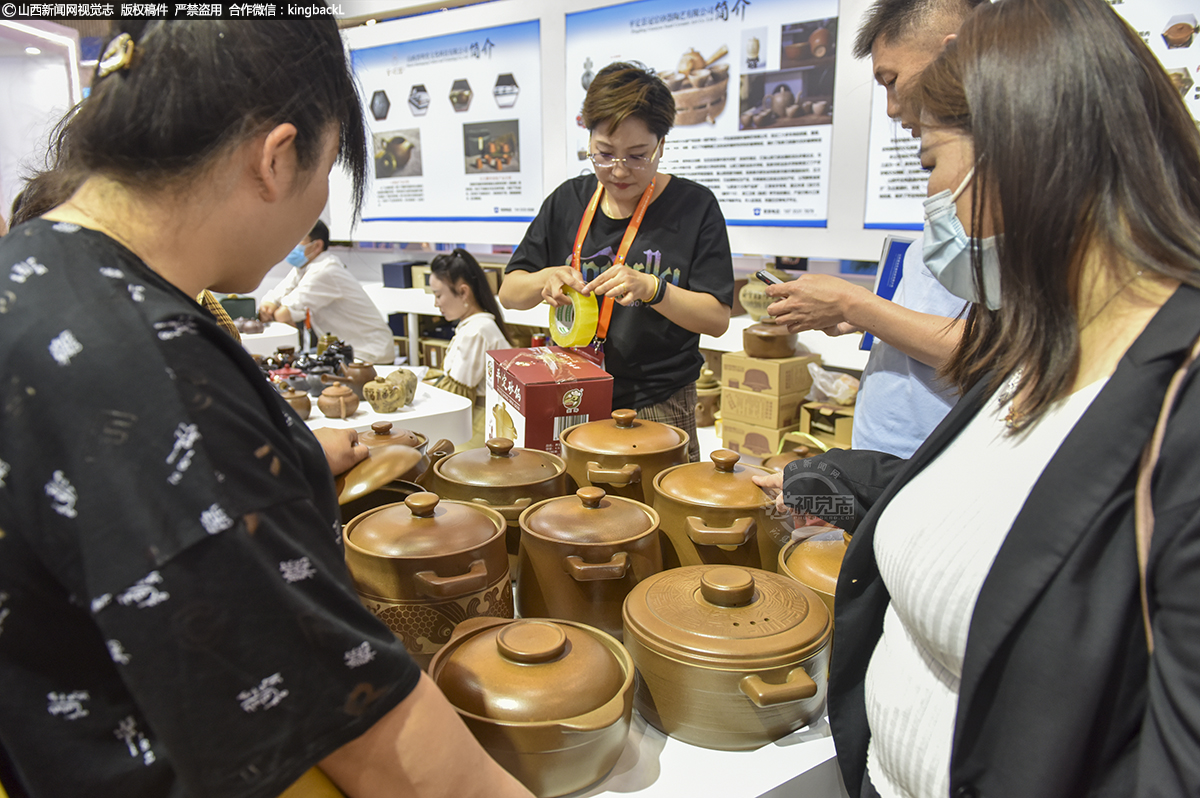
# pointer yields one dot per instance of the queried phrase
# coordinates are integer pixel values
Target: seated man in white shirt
(322, 285)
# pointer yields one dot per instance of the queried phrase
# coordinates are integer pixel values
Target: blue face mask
(297, 257)
(948, 250)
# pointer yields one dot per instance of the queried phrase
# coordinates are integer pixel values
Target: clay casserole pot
(622, 454)
(727, 658)
(768, 340)
(582, 554)
(550, 701)
(815, 562)
(713, 513)
(425, 565)
(507, 478)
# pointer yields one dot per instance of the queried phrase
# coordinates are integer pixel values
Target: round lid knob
(381, 428)
(421, 505)
(531, 642)
(499, 447)
(590, 516)
(727, 587)
(624, 418)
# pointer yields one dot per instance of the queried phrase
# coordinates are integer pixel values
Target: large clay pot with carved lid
(727, 658)
(581, 555)
(550, 701)
(425, 565)
(622, 454)
(714, 513)
(507, 478)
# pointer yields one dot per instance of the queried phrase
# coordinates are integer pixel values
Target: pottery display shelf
(654, 765)
(274, 335)
(434, 413)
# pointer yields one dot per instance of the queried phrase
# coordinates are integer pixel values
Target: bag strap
(1143, 508)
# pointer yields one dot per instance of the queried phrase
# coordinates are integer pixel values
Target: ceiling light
(32, 51)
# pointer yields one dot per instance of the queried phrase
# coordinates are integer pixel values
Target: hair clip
(117, 55)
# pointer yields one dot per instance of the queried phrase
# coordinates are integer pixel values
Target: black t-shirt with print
(682, 239)
(175, 614)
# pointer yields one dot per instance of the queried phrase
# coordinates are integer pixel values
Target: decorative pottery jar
(581, 555)
(550, 701)
(426, 565)
(714, 513)
(727, 658)
(622, 454)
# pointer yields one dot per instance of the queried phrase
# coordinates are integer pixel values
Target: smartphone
(767, 277)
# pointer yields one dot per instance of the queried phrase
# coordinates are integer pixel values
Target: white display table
(434, 413)
(655, 765)
(274, 335)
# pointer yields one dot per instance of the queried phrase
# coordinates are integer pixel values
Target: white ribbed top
(934, 544)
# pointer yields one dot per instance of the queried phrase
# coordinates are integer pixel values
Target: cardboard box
(775, 376)
(420, 277)
(829, 423)
(761, 409)
(534, 394)
(398, 274)
(752, 439)
(433, 352)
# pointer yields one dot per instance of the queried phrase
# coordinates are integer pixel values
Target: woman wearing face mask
(651, 247)
(320, 285)
(1018, 612)
(462, 294)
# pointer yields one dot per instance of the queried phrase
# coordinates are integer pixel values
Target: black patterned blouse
(175, 614)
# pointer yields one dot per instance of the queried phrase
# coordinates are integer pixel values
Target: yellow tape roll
(575, 324)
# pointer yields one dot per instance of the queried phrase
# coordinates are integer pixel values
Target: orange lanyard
(631, 232)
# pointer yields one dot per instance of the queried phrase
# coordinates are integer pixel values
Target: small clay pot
(338, 401)
(781, 98)
(406, 381)
(768, 340)
(299, 402)
(819, 42)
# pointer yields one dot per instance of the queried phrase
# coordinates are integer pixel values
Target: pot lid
(530, 670)
(718, 614)
(500, 464)
(424, 525)
(817, 561)
(590, 516)
(624, 433)
(723, 483)
(768, 329)
(384, 464)
(384, 434)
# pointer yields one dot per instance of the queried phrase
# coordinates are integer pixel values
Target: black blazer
(1059, 697)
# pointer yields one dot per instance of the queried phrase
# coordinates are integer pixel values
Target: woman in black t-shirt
(669, 283)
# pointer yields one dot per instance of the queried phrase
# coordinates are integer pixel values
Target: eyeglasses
(635, 163)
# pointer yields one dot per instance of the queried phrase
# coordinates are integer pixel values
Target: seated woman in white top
(461, 293)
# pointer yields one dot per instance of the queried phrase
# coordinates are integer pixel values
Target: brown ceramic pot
(507, 478)
(768, 340)
(713, 513)
(727, 658)
(299, 402)
(816, 562)
(582, 554)
(426, 565)
(354, 375)
(550, 701)
(338, 401)
(622, 454)
(708, 398)
(384, 433)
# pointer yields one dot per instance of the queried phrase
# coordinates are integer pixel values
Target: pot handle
(617, 477)
(728, 538)
(582, 571)
(516, 507)
(799, 686)
(448, 587)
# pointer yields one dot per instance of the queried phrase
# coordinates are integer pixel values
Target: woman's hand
(556, 278)
(624, 285)
(342, 449)
(266, 311)
(772, 485)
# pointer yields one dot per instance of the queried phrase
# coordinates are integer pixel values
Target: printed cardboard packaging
(832, 424)
(774, 376)
(751, 439)
(534, 394)
(761, 409)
